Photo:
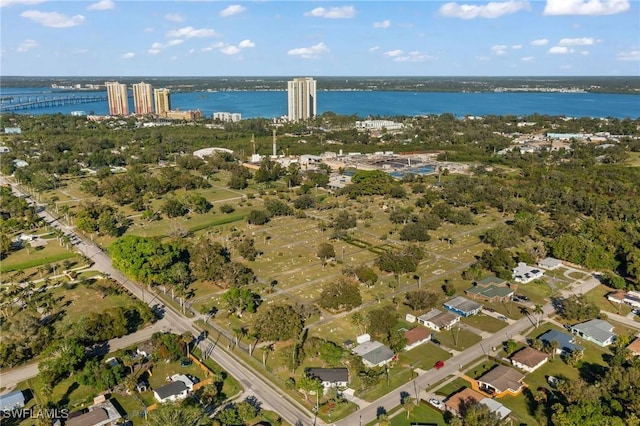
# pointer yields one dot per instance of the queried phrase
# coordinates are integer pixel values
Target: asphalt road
(287, 408)
(452, 365)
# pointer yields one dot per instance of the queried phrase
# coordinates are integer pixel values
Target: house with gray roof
(463, 306)
(597, 331)
(12, 401)
(171, 392)
(374, 354)
(101, 414)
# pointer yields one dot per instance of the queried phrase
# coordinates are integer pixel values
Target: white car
(436, 403)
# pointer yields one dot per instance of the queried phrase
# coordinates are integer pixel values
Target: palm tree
(408, 404)
(266, 350)
(554, 348)
(539, 312)
(358, 320)
(239, 333)
(187, 338)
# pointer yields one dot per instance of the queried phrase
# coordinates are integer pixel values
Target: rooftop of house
(417, 334)
(503, 378)
(635, 346)
(565, 341)
(491, 280)
(329, 374)
(463, 304)
(596, 328)
(466, 397)
(529, 357)
(171, 389)
(490, 292)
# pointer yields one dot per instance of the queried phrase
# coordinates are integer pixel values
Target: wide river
(271, 104)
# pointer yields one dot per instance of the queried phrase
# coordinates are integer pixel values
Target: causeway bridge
(36, 102)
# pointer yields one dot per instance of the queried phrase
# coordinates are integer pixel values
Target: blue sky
(320, 38)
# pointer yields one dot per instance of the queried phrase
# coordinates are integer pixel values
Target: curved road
(287, 408)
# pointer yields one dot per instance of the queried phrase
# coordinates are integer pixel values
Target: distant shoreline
(550, 84)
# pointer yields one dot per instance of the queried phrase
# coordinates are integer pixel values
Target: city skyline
(383, 38)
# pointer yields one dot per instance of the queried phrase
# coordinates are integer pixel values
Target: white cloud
(246, 43)
(102, 5)
(527, 59)
(499, 49)
(583, 41)
(490, 10)
(585, 7)
(516, 46)
(230, 50)
(584, 52)
(384, 24)
(4, 3)
(393, 53)
(413, 56)
(309, 52)
(174, 17)
(53, 19)
(148, 30)
(218, 45)
(540, 42)
(234, 9)
(374, 48)
(27, 45)
(342, 12)
(633, 55)
(190, 32)
(560, 50)
(157, 47)
(128, 55)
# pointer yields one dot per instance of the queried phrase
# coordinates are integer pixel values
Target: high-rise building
(117, 98)
(142, 100)
(302, 98)
(162, 101)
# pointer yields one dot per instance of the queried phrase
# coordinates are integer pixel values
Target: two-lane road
(287, 408)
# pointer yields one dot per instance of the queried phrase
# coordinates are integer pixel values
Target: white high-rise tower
(302, 98)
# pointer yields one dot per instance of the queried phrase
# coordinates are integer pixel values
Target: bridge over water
(35, 102)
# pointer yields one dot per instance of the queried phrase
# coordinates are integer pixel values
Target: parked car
(438, 365)
(522, 297)
(488, 309)
(435, 341)
(186, 362)
(502, 318)
(436, 403)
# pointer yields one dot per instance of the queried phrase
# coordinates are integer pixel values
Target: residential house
(100, 414)
(12, 401)
(549, 263)
(631, 298)
(565, 341)
(490, 293)
(462, 306)
(634, 347)
(330, 377)
(438, 320)
(524, 273)
(416, 336)
(502, 381)
(597, 331)
(492, 280)
(529, 359)
(497, 408)
(457, 402)
(176, 390)
(374, 354)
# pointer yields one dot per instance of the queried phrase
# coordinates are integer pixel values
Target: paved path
(289, 409)
(10, 378)
(454, 365)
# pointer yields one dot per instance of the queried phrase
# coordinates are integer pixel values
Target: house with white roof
(524, 273)
(597, 331)
(438, 320)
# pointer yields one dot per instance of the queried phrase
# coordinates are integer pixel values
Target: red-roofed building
(416, 336)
